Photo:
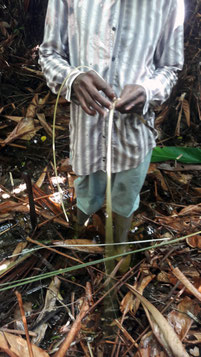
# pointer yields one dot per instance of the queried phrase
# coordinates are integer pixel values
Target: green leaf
(186, 155)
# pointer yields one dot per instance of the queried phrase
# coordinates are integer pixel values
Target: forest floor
(41, 255)
(55, 296)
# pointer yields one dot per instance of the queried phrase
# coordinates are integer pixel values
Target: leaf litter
(154, 308)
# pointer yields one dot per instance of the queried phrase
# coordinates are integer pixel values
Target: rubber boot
(81, 219)
(121, 228)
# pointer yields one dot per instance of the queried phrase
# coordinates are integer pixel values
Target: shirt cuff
(71, 77)
(147, 101)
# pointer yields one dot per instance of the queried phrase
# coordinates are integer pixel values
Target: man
(132, 50)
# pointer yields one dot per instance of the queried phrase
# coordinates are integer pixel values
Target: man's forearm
(159, 87)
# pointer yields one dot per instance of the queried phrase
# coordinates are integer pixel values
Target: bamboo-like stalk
(109, 265)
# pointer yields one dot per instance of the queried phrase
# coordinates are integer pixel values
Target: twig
(52, 249)
(75, 328)
(17, 332)
(19, 298)
(182, 278)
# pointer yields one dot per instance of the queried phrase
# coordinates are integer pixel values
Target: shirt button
(113, 59)
(113, 28)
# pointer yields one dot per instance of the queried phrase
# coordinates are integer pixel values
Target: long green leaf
(14, 284)
(186, 155)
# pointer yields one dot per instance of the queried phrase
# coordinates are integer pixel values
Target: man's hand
(86, 89)
(132, 99)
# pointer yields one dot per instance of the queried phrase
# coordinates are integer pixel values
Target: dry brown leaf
(197, 283)
(81, 245)
(44, 100)
(18, 346)
(65, 165)
(18, 250)
(8, 206)
(186, 111)
(178, 167)
(179, 224)
(45, 201)
(14, 118)
(191, 209)
(41, 179)
(180, 321)
(31, 110)
(179, 177)
(44, 124)
(11, 206)
(131, 303)
(194, 242)
(177, 130)
(168, 278)
(183, 279)
(18, 323)
(149, 346)
(153, 171)
(24, 130)
(162, 330)
(71, 178)
(163, 114)
(194, 337)
(5, 217)
(50, 300)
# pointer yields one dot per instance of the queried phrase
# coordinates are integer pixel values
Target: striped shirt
(126, 42)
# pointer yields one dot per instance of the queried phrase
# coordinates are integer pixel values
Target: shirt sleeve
(169, 58)
(53, 52)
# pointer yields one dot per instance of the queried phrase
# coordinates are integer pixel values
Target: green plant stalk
(109, 264)
(53, 147)
(24, 281)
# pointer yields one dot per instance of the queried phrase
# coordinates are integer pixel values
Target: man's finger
(84, 102)
(102, 85)
(89, 105)
(100, 99)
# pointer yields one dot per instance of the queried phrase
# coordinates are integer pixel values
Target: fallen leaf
(18, 346)
(183, 279)
(180, 178)
(41, 179)
(194, 242)
(180, 224)
(168, 278)
(149, 346)
(186, 110)
(179, 320)
(31, 110)
(65, 165)
(8, 206)
(162, 330)
(19, 248)
(24, 130)
(131, 303)
(193, 337)
(50, 301)
(45, 125)
(82, 245)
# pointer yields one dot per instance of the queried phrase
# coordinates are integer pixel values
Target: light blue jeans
(126, 186)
